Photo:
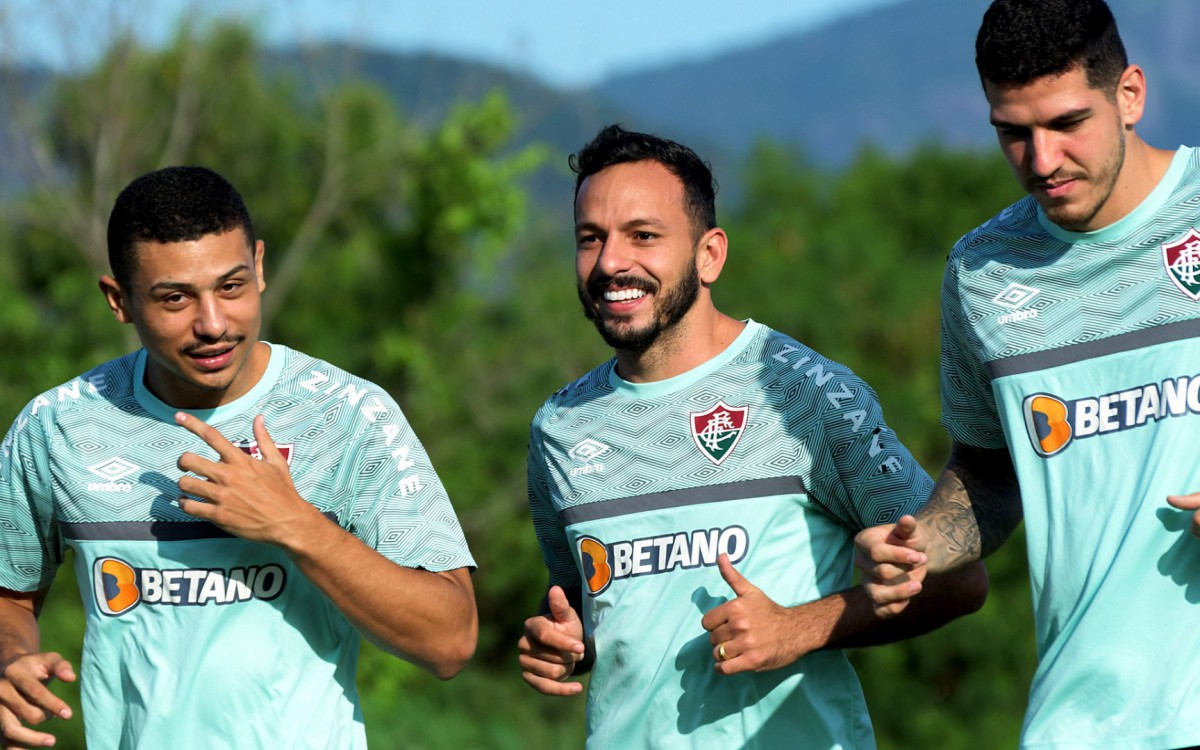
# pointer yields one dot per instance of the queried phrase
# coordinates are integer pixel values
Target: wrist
(309, 534)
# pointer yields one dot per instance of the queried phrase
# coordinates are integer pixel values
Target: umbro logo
(1013, 296)
(112, 471)
(586, 452)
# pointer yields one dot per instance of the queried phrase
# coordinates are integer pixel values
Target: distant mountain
(426, 86)
(893, 76)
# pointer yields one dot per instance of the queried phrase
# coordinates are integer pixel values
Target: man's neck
(700, 336)
(1145, 167)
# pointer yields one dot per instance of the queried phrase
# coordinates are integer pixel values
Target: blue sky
(564, 43)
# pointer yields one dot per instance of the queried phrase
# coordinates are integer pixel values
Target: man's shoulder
(319, 380)
(789, 360)
(107, 386)
(102, 385)
(588, 386)
(1018, 220)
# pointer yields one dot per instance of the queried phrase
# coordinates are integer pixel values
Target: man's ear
(1131, 95)
(711, 254)
(115, 298)
(260, 249)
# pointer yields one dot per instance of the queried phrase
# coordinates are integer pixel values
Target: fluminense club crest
(1182, 259)
(251, 447)
(718, 430)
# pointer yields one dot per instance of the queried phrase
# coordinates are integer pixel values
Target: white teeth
(623, 295)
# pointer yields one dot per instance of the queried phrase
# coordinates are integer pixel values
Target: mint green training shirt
(1079, 353)
(768, 452)
(196, 639)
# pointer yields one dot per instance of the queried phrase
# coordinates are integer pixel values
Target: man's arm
(753, 633)
(425, 617)
(974, 508)
(24, 699)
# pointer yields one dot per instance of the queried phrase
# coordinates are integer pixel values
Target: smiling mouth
(623, 295)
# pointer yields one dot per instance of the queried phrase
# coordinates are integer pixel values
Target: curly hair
(1023, 40)
(615, 145)
(175, 204)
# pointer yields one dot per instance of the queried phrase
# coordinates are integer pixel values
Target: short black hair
(615, 145)
(174, 204)
(1020, 41)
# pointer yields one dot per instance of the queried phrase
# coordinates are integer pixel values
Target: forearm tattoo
(974, 508)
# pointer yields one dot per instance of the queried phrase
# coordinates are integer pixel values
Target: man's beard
(668, 310)
(1077, 218)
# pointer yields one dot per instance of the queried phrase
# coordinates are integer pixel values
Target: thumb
(736, 580)
(560, 607)
(1185, 502)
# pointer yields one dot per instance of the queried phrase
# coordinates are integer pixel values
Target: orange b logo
(597, 572)
(1046, 418)
(115, 585)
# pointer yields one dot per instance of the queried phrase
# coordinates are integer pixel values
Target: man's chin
(1070, 218)
(625, 337)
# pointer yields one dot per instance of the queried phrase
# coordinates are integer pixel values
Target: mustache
(1056, 178)
(597, 286)
(224, 339)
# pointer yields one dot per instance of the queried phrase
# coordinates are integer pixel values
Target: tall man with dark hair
(226, 572)
(1069, 387)
(696, 497)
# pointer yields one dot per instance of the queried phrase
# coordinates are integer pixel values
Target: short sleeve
(969, 411)
(398, 505)
(30, 546)
(552, 538)
(863, 474)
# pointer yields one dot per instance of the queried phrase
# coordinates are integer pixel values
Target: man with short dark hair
(1069, 333)
(226, 571)
(696, 497)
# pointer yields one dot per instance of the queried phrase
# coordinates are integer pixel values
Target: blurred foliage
(410, 256)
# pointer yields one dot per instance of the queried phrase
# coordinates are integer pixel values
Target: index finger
(30, 681)
(547, 686)
(905, 529)
(208, 434)
(12, 730)
(266, 444)
(542, 634)
(883, 570)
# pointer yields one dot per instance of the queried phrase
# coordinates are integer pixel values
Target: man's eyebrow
(1064, 118)
(641, 221)
(180, 286)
